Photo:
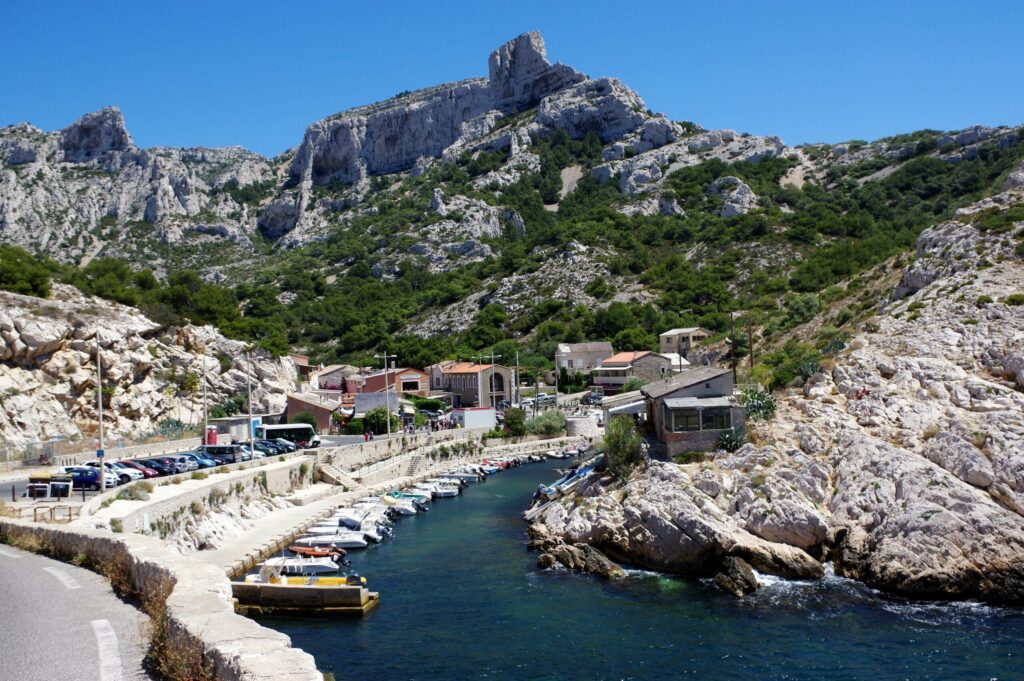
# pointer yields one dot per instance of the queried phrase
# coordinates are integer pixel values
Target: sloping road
(63, 622)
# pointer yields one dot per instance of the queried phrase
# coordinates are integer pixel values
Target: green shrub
(21, 272)
(199, 475)
(731, 440)
(760, 405)
(684, 458)
(376, 421)
(1014, 299)
(550, 422)
(983, 300)
(307, 418)
(515, 421)
(354, 427)
(623, 446)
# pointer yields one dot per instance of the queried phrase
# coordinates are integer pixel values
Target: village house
(406, 380)
(578, 358)
(681, 341)
(322, 407)
(340, 377)
(690, 410)
(473, 385)
(616, 370)
(303, 370)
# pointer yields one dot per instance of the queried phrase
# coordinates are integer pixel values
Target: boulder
(736, 577)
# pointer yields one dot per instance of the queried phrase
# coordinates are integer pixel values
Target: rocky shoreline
(901, 463)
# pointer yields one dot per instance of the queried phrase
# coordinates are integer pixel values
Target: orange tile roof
(626, 357)
(466, 368)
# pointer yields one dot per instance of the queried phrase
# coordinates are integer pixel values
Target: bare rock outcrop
(151, 373)
(737, 197)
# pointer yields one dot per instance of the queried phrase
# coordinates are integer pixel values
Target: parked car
(201, 459)
(288, 445)
(123, 476)
(225, 454)
(121, 467)
(172, 464)
(84, 478)
(265, 449)
(146, 470)
(274, 446)
(159, 465)
(112, 480)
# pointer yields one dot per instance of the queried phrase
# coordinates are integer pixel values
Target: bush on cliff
(21, 272)
(623, 446)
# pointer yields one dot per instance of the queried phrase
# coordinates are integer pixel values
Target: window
(717, 419)
(684, 421)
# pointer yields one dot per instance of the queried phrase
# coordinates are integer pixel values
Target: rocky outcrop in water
(903, 463)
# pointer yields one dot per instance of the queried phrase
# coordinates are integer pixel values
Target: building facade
(681, 341)
(689, 411)
(615, 371)
(578, 358)
(476, 385)
(405, 380)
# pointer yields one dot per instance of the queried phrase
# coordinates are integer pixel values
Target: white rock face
(739, 199)
(94, 178)
(48, 369)
(605, 107)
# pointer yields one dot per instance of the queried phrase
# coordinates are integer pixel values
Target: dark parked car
(159, 465)
(84, 478)
(289, 446)
(224, 454)
(146, 470)
(272, 447)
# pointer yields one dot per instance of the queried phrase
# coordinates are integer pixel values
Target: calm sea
(461, 598)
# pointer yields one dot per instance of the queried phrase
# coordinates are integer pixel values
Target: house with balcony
(616, 370)
(681, 341)
(581, 358)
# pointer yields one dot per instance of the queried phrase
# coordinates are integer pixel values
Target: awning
(697, 402)
(630, 408)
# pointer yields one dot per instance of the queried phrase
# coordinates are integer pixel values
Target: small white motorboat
(343, 539)
(299, 565)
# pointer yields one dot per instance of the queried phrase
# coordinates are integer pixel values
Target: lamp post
(248, 385)
(515, 394)
(387, 391)
(99, 411)
(206, 404)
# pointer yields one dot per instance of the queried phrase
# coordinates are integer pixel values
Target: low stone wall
(100, 500)
(274, 478)
(522, 439)
(351, 457)
(200, 614)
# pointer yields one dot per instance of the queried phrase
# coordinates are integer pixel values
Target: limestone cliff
(150, 373)
(903, 462)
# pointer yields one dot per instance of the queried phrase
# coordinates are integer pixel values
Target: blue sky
(257, 73)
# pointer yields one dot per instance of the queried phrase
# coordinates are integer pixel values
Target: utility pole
(493, 392)
(99, 411)
(387, 391)
(248, 384)
(515, 394)
(732, 345)
(206, 404)
(750, 340)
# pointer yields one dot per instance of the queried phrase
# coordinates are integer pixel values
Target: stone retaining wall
(199, 608)
(351, 457)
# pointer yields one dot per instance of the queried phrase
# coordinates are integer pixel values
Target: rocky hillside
(536, 204)
(151, 374)
(901, 460)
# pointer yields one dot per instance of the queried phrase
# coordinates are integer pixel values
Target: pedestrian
(366, 436)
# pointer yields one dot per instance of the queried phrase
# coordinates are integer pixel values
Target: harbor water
(462, 598)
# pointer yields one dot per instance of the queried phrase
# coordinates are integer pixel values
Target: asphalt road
(64, 622)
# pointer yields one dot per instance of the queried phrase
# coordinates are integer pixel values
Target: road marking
(110, 658)
(9, 554)
(65, 579)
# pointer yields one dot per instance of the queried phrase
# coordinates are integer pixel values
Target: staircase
(335, 476)
(415, 461)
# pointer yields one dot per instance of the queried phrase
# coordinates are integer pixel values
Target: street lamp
(248, 385)
(99, 411)
(387, 391)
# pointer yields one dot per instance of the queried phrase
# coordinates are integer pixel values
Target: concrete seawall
(199, 608)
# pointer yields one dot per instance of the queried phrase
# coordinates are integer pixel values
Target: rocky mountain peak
(520, 74)
(95, 134)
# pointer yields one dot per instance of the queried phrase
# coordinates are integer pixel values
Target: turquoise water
(462, 598)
